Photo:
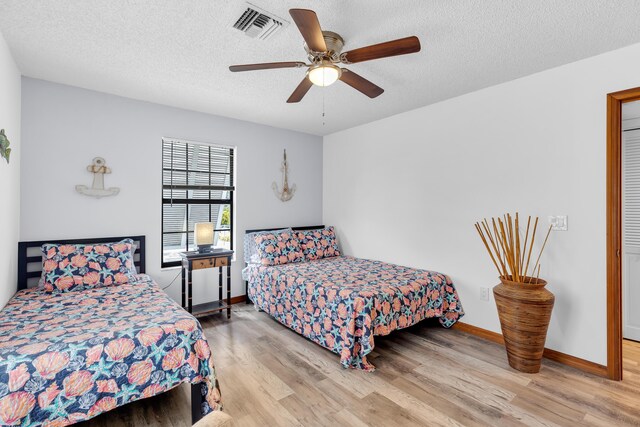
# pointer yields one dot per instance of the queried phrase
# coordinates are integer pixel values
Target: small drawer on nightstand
(198, 264)
(220, 262)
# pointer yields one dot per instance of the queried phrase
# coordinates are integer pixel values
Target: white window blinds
(197, 186)
(631, 190)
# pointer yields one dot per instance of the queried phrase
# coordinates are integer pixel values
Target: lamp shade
(203, 234)
(324, 74)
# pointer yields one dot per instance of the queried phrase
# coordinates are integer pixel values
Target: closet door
(631, 234)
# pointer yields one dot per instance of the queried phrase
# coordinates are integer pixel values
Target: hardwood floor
(426, 376)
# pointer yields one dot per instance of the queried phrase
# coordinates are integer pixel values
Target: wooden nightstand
(198, 261)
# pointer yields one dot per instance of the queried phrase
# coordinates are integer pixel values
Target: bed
(342, 302)
(68, 357)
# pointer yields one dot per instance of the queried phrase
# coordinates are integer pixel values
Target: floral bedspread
(68, 357)
(342, 302)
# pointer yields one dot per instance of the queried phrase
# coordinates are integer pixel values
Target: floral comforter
(342, 302)
(68, 357)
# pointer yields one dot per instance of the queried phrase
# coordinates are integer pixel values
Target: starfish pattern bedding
(342, 302)
(67, 357)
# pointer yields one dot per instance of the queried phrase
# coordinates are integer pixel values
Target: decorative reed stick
(526, 236)
(506, 248)
(543, 245)
(484, 240)
(533, 238)
(485, 226)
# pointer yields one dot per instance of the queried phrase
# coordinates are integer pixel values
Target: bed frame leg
(246, 293)
(196, 402)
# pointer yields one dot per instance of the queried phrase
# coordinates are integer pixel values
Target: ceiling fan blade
(300, 91)
(360, 83)
(383, 50)
(309, 26)
(266, 66)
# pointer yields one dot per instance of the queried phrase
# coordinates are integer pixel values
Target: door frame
(614, 228)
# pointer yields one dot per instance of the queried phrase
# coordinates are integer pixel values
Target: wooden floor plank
(346, 418)
(426, 375)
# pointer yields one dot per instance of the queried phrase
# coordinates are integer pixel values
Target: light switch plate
(559, 222)
(484, 294)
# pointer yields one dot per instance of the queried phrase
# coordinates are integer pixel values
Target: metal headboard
(306, 227)
(30, 256)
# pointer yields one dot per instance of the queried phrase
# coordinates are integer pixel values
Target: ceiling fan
(324, 51)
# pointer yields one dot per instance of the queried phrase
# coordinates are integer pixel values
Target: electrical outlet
(559, 222)
(484, 294)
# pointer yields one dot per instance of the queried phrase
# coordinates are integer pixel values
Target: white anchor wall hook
(287, 192)
(98, 168)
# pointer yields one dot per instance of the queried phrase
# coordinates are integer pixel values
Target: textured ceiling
(177, 52)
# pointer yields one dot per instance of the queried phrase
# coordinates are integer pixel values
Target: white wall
(65, 127)
(408, 188)
(9, 173)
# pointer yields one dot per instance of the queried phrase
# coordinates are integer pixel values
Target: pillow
(134, 270)
(318, 244)
(251, 255)
(278, 248)
(84, 266)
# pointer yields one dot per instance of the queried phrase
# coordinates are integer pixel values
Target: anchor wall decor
(98, 168)
(287, 192)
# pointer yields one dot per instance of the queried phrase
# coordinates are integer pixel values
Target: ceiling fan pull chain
(323, 90)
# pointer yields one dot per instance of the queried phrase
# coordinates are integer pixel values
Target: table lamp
(203, 236)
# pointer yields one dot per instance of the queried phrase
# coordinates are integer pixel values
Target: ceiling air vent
(258, 23)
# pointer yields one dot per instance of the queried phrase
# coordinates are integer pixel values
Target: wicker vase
(524, 310)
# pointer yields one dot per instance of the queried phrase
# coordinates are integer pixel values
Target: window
(197, 186)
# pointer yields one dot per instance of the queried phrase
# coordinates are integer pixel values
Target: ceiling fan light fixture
(324, 74)
(324, 51)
